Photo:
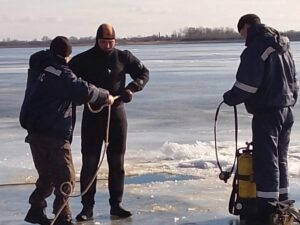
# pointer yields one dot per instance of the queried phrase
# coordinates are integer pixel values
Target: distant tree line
(201, 34)
(183, 35)
(44, 42)
(293, 35)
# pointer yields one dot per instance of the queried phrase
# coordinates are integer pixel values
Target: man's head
(105, 37)
(61, 46)
(245, 22)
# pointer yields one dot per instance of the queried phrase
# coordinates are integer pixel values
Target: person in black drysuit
(266, 83)
(105, 66)
(48, 114)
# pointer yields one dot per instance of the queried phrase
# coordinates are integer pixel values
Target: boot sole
(37, 221)
(80, 219)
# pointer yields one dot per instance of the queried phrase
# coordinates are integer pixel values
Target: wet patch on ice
(157, 177)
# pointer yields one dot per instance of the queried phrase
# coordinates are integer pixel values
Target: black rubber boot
(85, 214)
(118, 211)
(37, 215)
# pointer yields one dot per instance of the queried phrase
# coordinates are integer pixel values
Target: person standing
(106, 66)
(266, 83)
(48, 114)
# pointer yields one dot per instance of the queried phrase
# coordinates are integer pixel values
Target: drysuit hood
(269, 35)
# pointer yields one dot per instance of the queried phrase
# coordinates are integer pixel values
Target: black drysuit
(106, 70)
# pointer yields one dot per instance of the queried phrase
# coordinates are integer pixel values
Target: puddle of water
(157, 177)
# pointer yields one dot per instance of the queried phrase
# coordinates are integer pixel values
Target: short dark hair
(248, 19)
(61, 46)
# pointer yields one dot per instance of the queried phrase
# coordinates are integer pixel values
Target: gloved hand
(227, 97)
(126, 95)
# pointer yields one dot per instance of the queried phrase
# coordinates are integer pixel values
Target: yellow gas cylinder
(247, 186)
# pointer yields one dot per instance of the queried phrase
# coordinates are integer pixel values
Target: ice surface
(154, 199)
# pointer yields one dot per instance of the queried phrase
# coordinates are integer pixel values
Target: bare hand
(110, 100)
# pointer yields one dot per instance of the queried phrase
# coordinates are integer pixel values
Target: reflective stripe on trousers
(271, 137)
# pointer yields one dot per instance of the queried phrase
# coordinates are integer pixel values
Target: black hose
(225, 175)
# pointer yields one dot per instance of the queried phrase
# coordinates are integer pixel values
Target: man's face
(244, 30)
(106, 45)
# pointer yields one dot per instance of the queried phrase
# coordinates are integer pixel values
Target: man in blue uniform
(48, 114)
(106, 66)
(266, 83)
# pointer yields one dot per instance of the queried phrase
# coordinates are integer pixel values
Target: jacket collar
(253, 32)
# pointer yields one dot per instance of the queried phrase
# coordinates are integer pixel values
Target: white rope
(69, 195)
(102, 107)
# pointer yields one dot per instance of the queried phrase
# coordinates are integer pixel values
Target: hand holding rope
(110, 101)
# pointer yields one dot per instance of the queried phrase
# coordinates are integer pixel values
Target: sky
(34, 19)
